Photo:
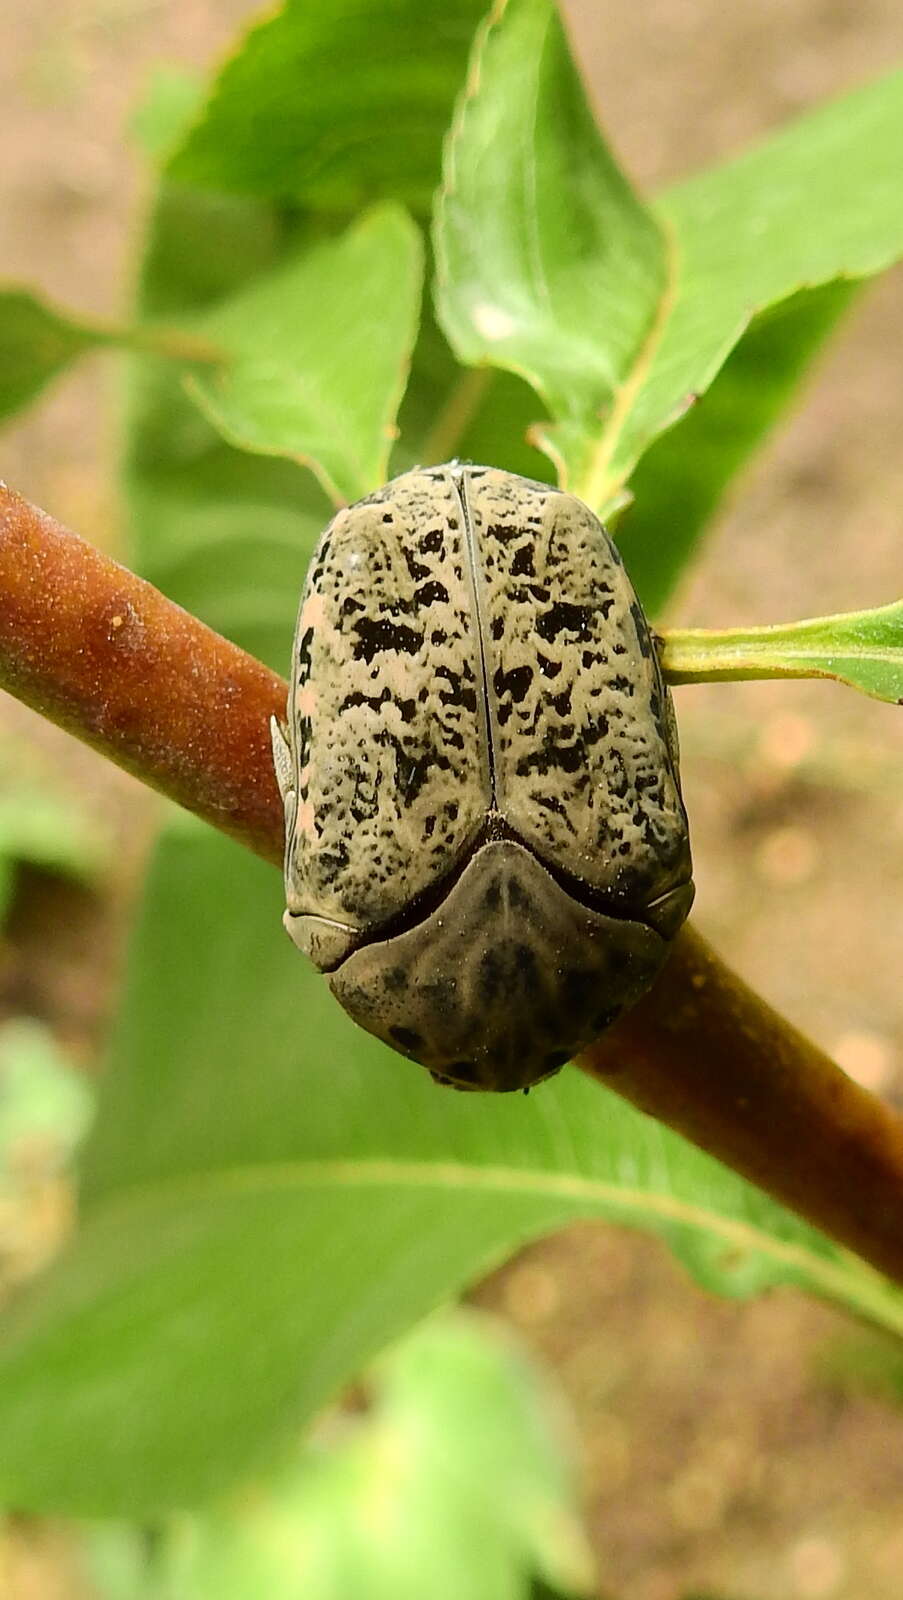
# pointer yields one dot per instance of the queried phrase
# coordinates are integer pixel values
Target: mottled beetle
(486, 847)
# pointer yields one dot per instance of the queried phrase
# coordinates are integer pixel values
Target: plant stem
(105, 655)
(462, 404)
(176, 344)
(173, 343)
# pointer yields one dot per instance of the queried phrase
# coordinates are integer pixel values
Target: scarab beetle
(486, 846)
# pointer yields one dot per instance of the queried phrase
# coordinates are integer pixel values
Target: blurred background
(738, 1450)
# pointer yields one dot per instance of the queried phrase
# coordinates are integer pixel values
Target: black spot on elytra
(549, 669)
(376, 635)
(374, 701)
(304, 648)
(432, 593)
(550, 802)
(431, 543)
(412, 771)
(554, 755)
(522, 562)
(416, 569)
(564, 617)
(514, 684)
(618, 781)
(457, 693)
(595, 730)
(330, 863)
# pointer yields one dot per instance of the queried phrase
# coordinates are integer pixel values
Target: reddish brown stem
(105, 655)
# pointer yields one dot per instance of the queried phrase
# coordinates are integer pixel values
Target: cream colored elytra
(486, 846)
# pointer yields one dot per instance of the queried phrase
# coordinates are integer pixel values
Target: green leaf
(225, 533)
(547, 263)
(270, 1196)
(37, 343)
(336, 105)
(681, 479)
(454, 1483)
(861, 648)
(550, 266)
(319, 352)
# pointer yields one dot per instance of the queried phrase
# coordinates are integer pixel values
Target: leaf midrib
(844, 1278)
(599, 483)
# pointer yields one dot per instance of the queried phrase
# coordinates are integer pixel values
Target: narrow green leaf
(319, 353)
(270, 1196)
(335, 106)
(861, 648)
(550, 266)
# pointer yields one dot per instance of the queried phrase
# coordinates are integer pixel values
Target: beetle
(486, 847)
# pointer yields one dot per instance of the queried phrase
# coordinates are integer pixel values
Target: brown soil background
(718, 1456)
